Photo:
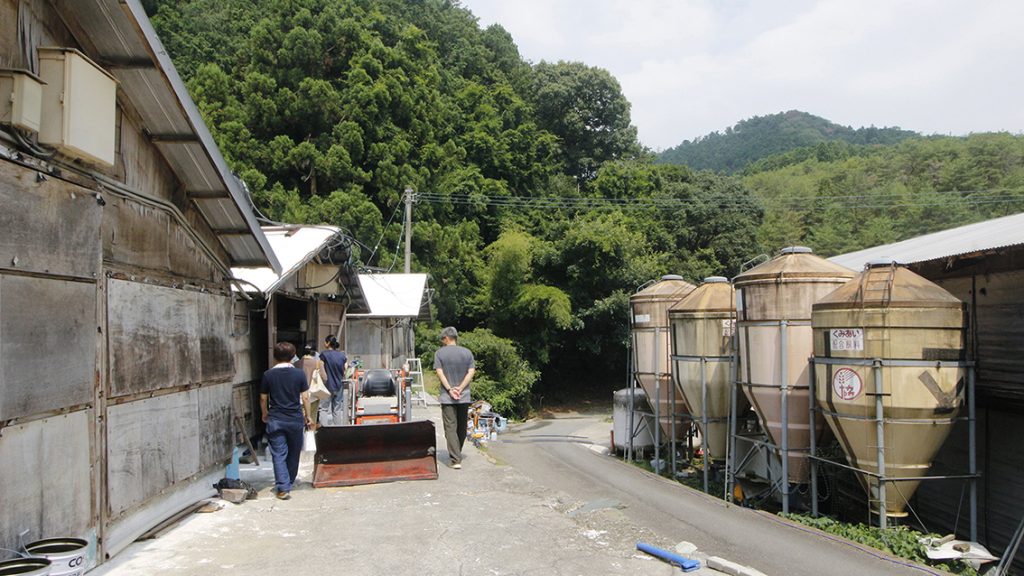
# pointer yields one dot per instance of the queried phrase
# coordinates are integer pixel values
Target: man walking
(455, 367)
(284, 402)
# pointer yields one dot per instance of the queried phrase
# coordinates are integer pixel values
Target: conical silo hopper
(912, 326)
(651, 348)
(773, 319)
(703, 324)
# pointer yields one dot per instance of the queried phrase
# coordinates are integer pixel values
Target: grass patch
(899, 541)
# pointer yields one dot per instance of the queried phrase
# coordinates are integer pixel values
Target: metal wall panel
(45, 484)
(152, 444)
(153, 337)
(47, 344)
(47, 226)
(215, 321)
(136, 235)
(364, 339)
(215, 425)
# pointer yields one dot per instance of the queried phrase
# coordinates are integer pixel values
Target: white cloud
(693, 66)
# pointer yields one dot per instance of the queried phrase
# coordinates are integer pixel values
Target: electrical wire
(384, 231)
(867, 201)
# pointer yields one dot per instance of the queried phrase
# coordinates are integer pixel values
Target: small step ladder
(419, 391)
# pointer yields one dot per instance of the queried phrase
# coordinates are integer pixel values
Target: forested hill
(538, 211)
(763, 136)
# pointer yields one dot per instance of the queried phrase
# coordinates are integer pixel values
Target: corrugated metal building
(119, 333)
(983, 265)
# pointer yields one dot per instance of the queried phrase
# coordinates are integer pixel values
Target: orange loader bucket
(372, 453)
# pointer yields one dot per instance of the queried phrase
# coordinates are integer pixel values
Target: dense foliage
(329, 109)
(763, 136)
(839, 198)
(539, 212)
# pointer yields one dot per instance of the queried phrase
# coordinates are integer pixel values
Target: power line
(877, 201)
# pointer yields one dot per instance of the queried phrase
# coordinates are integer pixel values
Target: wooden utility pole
(408, 230)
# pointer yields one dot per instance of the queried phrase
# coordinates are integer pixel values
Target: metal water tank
(650, 333)
(703, 324)
(773, 320)
(894, 325)
(643, 426)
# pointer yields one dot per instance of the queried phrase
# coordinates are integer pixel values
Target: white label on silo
(728, 328)
(847, 384)
(642, 318)
(847, 339)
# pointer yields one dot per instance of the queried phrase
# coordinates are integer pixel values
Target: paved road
(552, 453)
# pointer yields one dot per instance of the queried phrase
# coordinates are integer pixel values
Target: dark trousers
(455, 418)
(285, 439)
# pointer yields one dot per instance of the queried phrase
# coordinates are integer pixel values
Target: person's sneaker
(457, 466)
(284, 495)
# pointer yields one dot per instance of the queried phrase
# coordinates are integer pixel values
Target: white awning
(393, 295)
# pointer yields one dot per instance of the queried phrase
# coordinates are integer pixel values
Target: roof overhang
(393, 295)
(963, 241)
(119, 36)
(296, 246)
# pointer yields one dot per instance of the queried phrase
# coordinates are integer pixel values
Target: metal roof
(294, 247)
(118, 35)
(977, 237)
(393, 295)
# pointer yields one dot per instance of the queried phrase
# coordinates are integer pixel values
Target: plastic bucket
(67, 555)
(25, 567)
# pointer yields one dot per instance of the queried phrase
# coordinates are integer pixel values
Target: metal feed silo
(703, 324)
(773, 320)
(651, 351)
(889, 375)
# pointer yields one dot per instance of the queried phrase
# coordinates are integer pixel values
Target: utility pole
(408, 229)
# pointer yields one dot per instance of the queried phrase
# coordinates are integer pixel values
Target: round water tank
(651, 351)
(643, 424)
(889, 312)
(703, 324)
(773, 307)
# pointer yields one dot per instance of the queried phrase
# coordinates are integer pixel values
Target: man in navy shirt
(284, 401)
(332, 411)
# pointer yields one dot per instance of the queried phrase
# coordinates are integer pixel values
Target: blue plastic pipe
(686, 564)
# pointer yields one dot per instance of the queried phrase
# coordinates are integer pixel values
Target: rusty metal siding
(152, 444)
(47, 344)
(997, 334)
(136, 235)
(153, 337)
(214, 318)
(215, 425)
(45, 479)
(47, 226)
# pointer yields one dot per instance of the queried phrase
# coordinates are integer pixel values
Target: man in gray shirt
(455, 367)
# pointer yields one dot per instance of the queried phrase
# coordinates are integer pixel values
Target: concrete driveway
(517, 507)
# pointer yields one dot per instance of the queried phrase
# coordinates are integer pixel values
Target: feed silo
(651, 350)
(773, 320)
(889, 375)
(703, 324)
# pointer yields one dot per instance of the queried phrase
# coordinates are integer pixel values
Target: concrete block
(233, 495)
(723, 565)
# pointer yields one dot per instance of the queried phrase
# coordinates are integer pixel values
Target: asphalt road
(552, 452)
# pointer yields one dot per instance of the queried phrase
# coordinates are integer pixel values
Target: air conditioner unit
(79, 106)
(21, 96)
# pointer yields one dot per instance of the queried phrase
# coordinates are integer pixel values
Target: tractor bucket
(372, 453)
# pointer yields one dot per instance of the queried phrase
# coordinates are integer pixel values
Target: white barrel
(66, 555)
(643, 424)
(25, 567)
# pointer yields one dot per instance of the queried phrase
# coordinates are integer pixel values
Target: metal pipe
(784, 389)
(704, 419)
(672, 426)
(880, 438)
(730, 445)
(812, 461)
(657, 409)
(972, 454)
(632, 390)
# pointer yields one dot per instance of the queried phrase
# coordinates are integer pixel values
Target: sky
(690, 67)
